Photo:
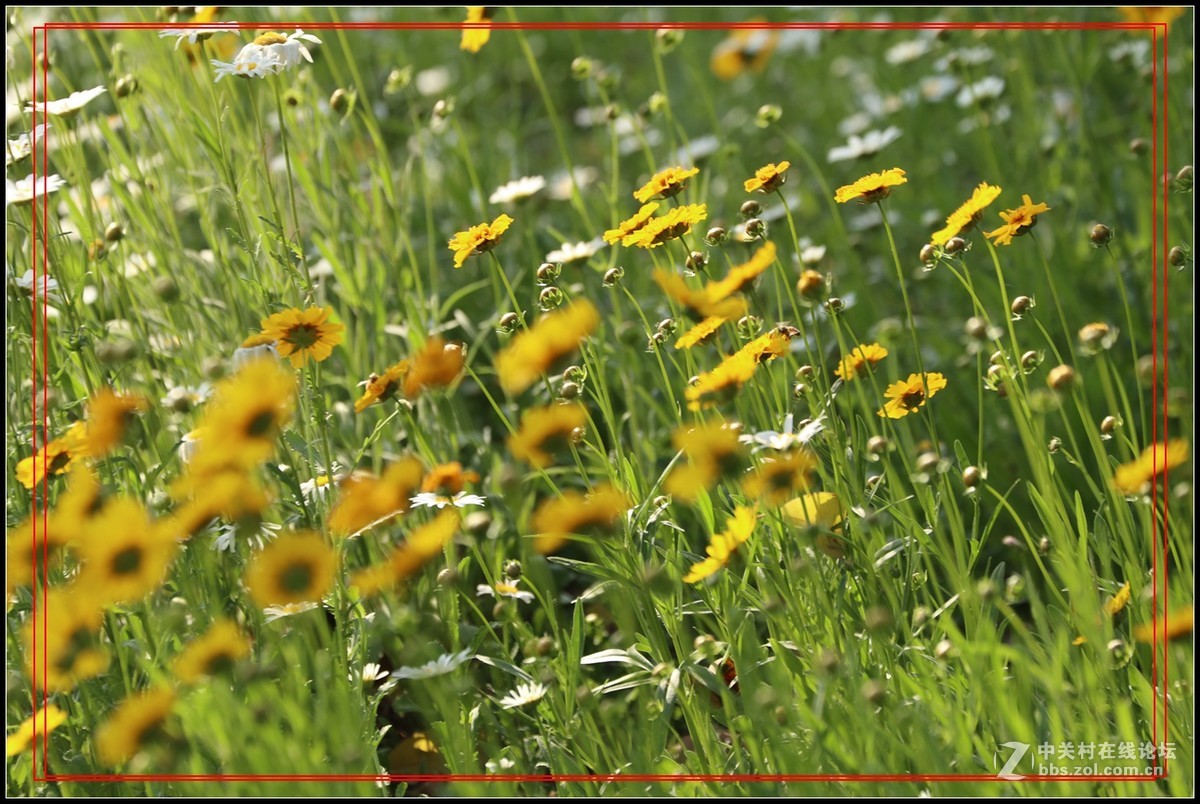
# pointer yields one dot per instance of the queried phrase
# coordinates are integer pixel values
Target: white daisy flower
(247, 354)
(183, 393)
(189, 445)
(786, 439)
(936, 88)
(523, 694)
(576, 251)
(440, 666)
(70, 105)
(517, 190)
(904, 52)
(811, 254)
(24, 191)
(982, 90)
(26, 282)
(495, 766)
(372, 671)
(269, 54)
(226, 535)
(194, 35)
(428, 499)
(504, 590)
(560, 187)
(871, 143)
(320, 485)
(22, 146)
(272, 613)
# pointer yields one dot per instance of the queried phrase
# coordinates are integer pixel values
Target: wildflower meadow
(619, 401)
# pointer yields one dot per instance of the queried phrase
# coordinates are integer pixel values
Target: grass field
(612, 403)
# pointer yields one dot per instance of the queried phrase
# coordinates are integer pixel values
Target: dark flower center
(296, 578)
(303, 336)
(127, 561)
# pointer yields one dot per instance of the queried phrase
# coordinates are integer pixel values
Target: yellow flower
(702, 302)
(967, 215)
(43, 721)
(701, 333)
(742, 275)
(132, 724)
(367, 500)
(382, 387)
(127, 557)
(860, 357)
(296, 568)
(666, 228)
(300, 334)
(257, 339)
(212, 654)
(1117, 602)
(722, 545)
(227, 493)
(778, 480)
(713, 452)
(244, 417)
(1017, 221)
(68, 625)
(1137, 476)
(726, 379)
(545, 431)
(665, 183)
(532, 352)
(437, 365)
(449, 478)
(109, 414)
(1165, 15)
(54, 458)
(770, 345)
(746, 49)
(422, 545)
(871, 188)
(907, 396)
(474, 38)
(628, 227)
(1177, 623)
(478, 239)
(769, 178)
(822, 511)
(77, 505)
(556, 519)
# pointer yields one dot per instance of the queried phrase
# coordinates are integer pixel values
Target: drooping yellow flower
(295, 568)
(745, 50)
(532, 352)
(907, 396)
(68, 624)
(557, 518)
(301, 334)
(742, 275)
(55, 458)
(367, 500)
(721, 547)
(478, 239)
(1017, 221)
(545, 431)
(1177, 623)
(127, 557)
(822, 512)
(474, 38)
(43, 721)
(381, 387)
(701, 333)
(713, 451)
(725, 380)
(704, 302)
(776, 481)
(769, 178)
(436, 366)
(422, 545)
(132, 725)
(108, 416)
(665, 184)
(967, 215)
(861, 356)
(211, 654)
(871, 188)
(666, 228)
(1138, 476)
(628, 227)
(1165, 15)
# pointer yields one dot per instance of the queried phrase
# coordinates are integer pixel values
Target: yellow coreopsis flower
(55, 458)
(1138, 476)
(967, 215)
(701, 333)
(556, 519)
(822, 511)
(211, 654)
(628, 227)
(666, 228)
(43, 721)
(436, 366)
(532, 352)
(128, 557)
(907, 396)
(479, 239)
(1176, 623)
(301, 334)
(1017, 221)
(129, 727)
(70, 620)
(1165, 15)
(863, 355)
(742, 275)
(706, 303)
(382, 386)
(296, 568)
(665, 183)
(778, 480)
(545, 431)
(109, 414)
(422, 545)
(745, 50)
(725, 379)
(768, 178)
(244, 417)
(367, 500)
(474, 38)
(713, 451)
(738, 529)
(871, 188)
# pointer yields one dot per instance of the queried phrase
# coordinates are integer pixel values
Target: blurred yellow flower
(721, 547)
(1165, 15)
(666, 228)
(628, 227)
(422, 545)
(725, 380)
(245, 415)
(860, 356)
(43, 721)
(132, 725)
(665, 184)
(701, 333)
(108, 416)
(907, 396)
(211, 654)
(128, 558)
(300, 334)
(745, 50)
(478, 239)
(776, 481)
(367, 500)
(545, 431)
(768, 178)
(532, 352)
(295, 568)
(713, 451)
(55, 458)
(448, 478)
(474, 38)
(1177, 623)
(967, 215)
(871, 188)
(436, 366)
(1017, 221)
(706, 303)
(68, 623)
(382, 386)
(740, 276)
(556, 519)
(1138, 476)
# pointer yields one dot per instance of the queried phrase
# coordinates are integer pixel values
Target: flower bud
(1021, 305)
(835, 305)
(166, 289)
(716, 236)
(126, 85)
(508, 323)
(696, 261)
(1139, 145)
(512, 570)
(1054, 445)
(805, 373)
(339, 101)
(581, 68)
(811, 285)
(928, 253)
(976, 328)
(1177, 256)
(667, 39)
(767, 114)
(1100, 235)
(877, 445)
(547, 272)
(550, 297)
(954, 245)
(1061, 378)
(447, 577)
(1108, 424)
(972, 477)
(613, 276)
(750, 209)
(569, 390)
(114, 233)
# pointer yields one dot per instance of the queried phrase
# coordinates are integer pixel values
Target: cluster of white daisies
(268, 54)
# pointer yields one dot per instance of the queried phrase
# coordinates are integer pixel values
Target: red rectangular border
(1160, 184)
